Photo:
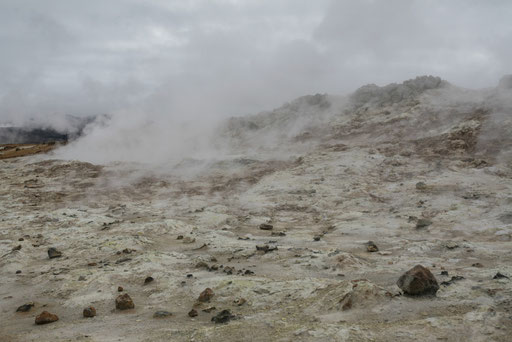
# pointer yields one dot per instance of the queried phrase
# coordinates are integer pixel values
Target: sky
(201, 59)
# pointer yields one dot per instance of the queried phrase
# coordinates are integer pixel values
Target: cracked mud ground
(371, 174)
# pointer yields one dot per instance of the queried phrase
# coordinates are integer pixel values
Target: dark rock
(500, 276)
(124, 302)
(81, 278)
(180, 237)
(371, 247)
(192, 313)
(17, 248)
(266, 226)
(317, 237)
(54, 253)
(21, 239)
(444, 273)
(89, 312)
(190, 275)
(421, 186)
(120, 289)
(202, 264)
(162, 314)
(120, 261)
(148, 280)
(45, 317)
(206, 295)
(451, 281)
(18, 271)
(477, 264)
(25, 307)
(418, 281)
(278, 234)
(248, 272)
(223, 317)
(423, 223)
(266, 248)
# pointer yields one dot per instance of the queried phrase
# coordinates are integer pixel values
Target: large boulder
(418, 281)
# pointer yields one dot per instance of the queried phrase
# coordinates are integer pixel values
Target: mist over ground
(166, 72)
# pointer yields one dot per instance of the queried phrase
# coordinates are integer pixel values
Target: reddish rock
(45, 317)
(206, 295)
(124, 302)
(418, 281)
(90, 311)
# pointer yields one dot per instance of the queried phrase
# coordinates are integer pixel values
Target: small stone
(120, 289)
(266, 226)
(421, 186)
(192, 313)
(190, 275)
(148, 280)
(25, 307)
(81, 278)
(278, 234)
(240, 301)
(317, 237)
(210, 309)
(206, 295)
(45, 317)
(500, 276)
(371, 247)
(162, 314)
(477, 264)
(422, 223)
(266, 248)
(21, 239)
(418, 281)
(223, 317)
(17, 248)
(92, 264)
(54, 253)
(18, 271)
(188, 240)
(202, 264)
(180, 237)
(89, 312)
(124, 302)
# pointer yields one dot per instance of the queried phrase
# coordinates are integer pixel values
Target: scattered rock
(422, 223)
(188, 240)
(240, 301)
(120, 289)
(266, 226)
(192, 313)
(223, 317)
(25, 307)
(500, 276)
(371, 247)
(278, 234)
(89, 312)
(418, 281)
(206, 295)
(124, 302)
(421, 186)
(54, 253)
(162, 314)
(45, 317)
(451, 281)
(202, 264)
(148, 280)
(266, 248)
